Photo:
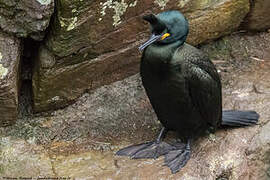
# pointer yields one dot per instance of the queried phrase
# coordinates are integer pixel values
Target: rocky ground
(80, 140)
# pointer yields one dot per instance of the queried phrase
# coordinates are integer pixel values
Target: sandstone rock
(26, 17)
(80, 141)
(259, 16)
(20, 158)
(214, 19)
(86, 135)
(9, 78)
(92, 43)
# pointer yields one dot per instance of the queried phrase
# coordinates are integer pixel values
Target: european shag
(184, 89)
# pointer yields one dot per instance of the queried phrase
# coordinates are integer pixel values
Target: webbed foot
(152, 149)
(177, 159)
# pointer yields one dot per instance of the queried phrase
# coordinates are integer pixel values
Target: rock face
(92, 43)
(26, 17)
(9, 78)
(213, 19)
(80, 141)
(17, 153)
(259, 16)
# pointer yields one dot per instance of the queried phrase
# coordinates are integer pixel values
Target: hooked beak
(151, 40)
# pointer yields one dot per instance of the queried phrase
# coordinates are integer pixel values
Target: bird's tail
(239, 118)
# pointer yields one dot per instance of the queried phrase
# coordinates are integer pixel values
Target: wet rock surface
(94, 43)
(25, 18)
(9, 78)
(79, 141)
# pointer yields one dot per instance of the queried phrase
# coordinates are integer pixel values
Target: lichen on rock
(182, 3)
(161, 3)
(3, 71)
(93, 41)
(44, 2)
(69, 23)
(133, 4)
(118, 7)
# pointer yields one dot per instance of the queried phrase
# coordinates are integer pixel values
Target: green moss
(2, 169)
(1, 159)
(220, 49)
(268, 172)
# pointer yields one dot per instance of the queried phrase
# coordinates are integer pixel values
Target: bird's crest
(157, 25)
(151, 18)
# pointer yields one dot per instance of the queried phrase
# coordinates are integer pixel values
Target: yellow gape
(165, 35)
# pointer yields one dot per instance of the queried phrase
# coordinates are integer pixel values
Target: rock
(93, 43)
(214, 19)
(16, 153)
(26, 18)
(80, 141)
(258, 18)
(9, 78)
(85, 136)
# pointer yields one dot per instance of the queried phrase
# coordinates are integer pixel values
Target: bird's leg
(177, 159)
(152, 149)
(161, 135)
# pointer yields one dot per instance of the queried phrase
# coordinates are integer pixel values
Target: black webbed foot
(152, 149)
(177, 159)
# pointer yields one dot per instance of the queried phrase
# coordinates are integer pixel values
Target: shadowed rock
(26, 18)
(96, 122)
(80, 141)
(93, 43)
(9, 78)
(259, 16)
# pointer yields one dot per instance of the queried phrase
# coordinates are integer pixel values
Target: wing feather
(205, 89)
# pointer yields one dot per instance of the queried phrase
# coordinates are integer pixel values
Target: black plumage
(184, 89)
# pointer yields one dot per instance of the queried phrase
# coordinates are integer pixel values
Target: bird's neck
(161, 53)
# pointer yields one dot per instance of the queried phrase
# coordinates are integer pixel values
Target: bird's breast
(163, 80)
(162, 75)
(156, 54)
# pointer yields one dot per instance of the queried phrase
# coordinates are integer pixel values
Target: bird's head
(166, 27)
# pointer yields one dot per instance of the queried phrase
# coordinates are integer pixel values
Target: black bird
(184, 89)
